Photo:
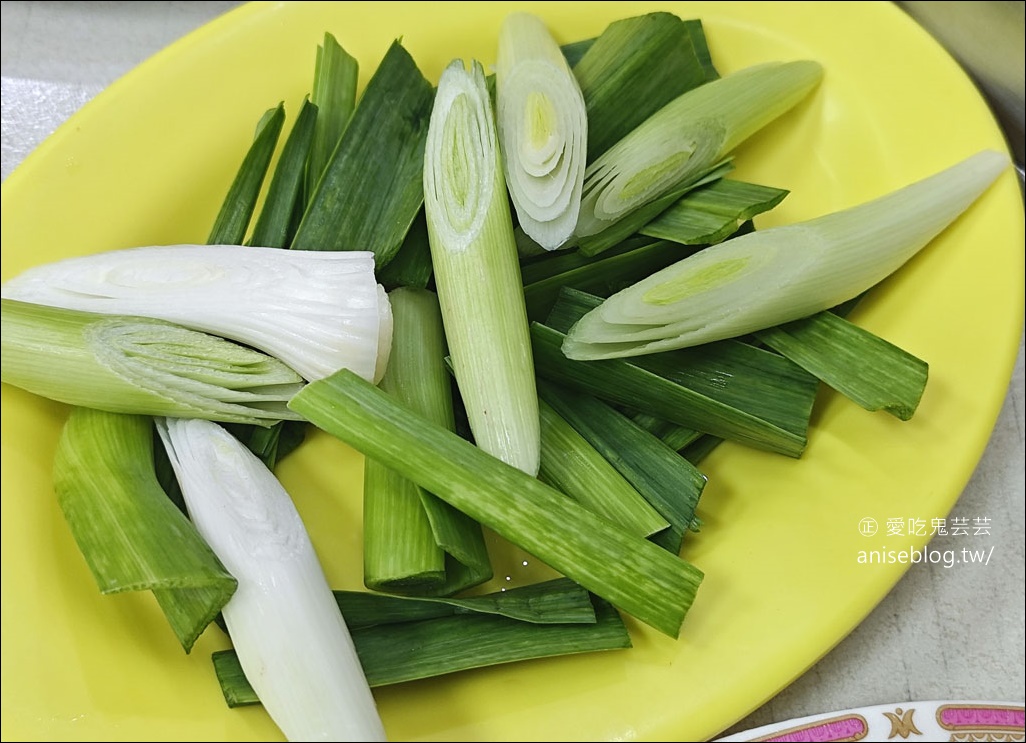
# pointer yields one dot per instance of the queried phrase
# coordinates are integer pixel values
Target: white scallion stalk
(317, 311)
(477, 270)
(543, 129)
(687, 136)
(780, 274)
(291, 639)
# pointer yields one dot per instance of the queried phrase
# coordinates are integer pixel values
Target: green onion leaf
(672, 434)
(732, 389)
(411, 266)
(336, 74)
(860, 365)
(573, 51)
(666, 480)
(131, 535)
(555, 601)
(635, 67)
(273, 229)
(570, 463)
(697, 33)
(283, 195)
(233, 219)
(700, 448)
(714, 212)
(635, 575)
(397, 653)
(623, 383)
(372, 188)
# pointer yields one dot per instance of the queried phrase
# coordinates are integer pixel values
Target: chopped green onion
(449, 644)
(667, 481)
(316, 311)
(860, 365)
(477, 271)
(635, 575)
(131, 535)
(773, 276)
(696, 31)
(411, 266)
(400, 553)
(408, 533)
(672, 434)
(292, 641)
(233, 219)
(271, 444)
(685, 137)
(714, 212)
(139, 365)
(570, 463)
(573, 51)
(543, 130)
(372, 189)
(603, 275)
(336, 74)
(636, 220)
(283, 195)
(273, 229)
(635, 67)
(555, 601)
(700, 448)
(396, 653)
(731, 389)
(621, 382)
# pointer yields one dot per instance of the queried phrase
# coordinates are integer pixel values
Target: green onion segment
(773, 276)
(860, 365)
(413, 541)
(131, 535)
(543, 130)
(477, 270)
(283, 620)
(687, 136)
(316, 311)
(371, 189)
(239, 203)
(141, 366)
(635, 575)
(396, 653)
(336, 74)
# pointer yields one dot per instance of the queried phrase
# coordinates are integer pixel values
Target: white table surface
(940, 633)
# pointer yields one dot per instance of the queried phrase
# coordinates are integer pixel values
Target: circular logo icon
(868, 527)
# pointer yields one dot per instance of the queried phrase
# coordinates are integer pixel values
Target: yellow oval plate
(148, 161)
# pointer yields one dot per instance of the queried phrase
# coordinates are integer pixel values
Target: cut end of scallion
(141, 366)
(543, 130)
(477, 270)
(680, 141)
(777, 275)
